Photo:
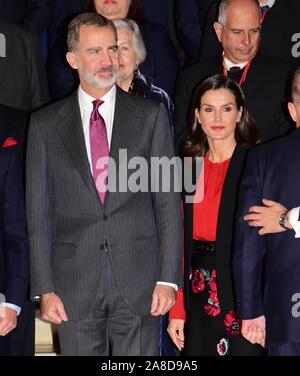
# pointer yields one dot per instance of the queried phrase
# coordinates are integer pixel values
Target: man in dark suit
(267, 267)
(24, 88)
(13, 131)
(22, 72)
(280, 31)
(106, 264)
(14, 254)
(13, 127)
(263, 78)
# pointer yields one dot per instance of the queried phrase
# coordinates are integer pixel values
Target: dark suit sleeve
(39, 92)
(15, 233)
(210, 46)
(182, 100)
(38, 206)
(167, 206)
(162, 62)
(250, 247)
(37, 16)
(60, 74)
(189, 24)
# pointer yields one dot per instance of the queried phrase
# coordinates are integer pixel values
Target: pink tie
(99, 149)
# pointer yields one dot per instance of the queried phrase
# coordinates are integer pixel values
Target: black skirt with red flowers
(208, 330)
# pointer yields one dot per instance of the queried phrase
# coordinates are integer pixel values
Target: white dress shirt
(294, 221)
(270, 3)
(106, 110)
(12, 306)
(228, 64)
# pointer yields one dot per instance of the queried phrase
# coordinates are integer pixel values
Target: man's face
(240, 34)
(96, 57)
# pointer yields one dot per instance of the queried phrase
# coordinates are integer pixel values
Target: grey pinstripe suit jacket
(68, 224)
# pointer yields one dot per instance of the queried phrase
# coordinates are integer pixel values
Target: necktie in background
(99, 149)
(264, 8)
(235, 69)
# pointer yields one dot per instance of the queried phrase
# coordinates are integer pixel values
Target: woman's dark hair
(135, 9)
(245, 132)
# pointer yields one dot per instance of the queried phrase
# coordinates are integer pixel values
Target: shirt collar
(229, 64)
(270, 3)
(85, 100)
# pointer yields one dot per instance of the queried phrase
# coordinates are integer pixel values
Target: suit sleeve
(164, 58)
(39, 205)
(189, 24)
(181, 114)
(39, 92)
(210, 46)
(250, 247)
(166, 202)
(15, 233)
(36, 18)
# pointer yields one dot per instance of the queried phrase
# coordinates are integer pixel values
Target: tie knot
(97, 103)
(95, 114)
(235, 69)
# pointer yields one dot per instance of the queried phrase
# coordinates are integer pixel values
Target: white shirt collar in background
(270, 3)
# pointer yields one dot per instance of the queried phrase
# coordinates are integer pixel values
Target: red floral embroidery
(232, 324)
(10, 141)
(212, 308)
(198, 284)
(222, 347)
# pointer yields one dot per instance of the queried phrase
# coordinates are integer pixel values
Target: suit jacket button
(104, 217)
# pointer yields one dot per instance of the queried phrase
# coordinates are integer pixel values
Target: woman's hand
(175, 330)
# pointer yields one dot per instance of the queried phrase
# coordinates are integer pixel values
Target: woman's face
(127, 54)
(112, 9)
(218, 114)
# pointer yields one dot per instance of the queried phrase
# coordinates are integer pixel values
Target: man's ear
(71, 59)
(218, 30)
(292, 111)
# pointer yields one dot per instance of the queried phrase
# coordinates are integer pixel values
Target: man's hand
(8, 320)
(163, 298)
(52, 308)
(254, 330)
(266, 217)
(175, 330)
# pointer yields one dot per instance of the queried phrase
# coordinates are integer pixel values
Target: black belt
(202, 246)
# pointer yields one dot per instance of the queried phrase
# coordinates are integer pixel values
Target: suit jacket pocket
(63, 250)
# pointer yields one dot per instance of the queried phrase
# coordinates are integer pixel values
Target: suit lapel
(122, 134)
(70, 130)
(124, 120)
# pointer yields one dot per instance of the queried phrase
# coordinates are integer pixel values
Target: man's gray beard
(96, 82)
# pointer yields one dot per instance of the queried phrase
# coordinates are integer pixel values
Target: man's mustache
(107, 69)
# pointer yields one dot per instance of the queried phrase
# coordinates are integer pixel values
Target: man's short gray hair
(223, 10)
(137, 39)
(86, 19)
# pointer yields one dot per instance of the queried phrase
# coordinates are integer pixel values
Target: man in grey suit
(105, 265)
